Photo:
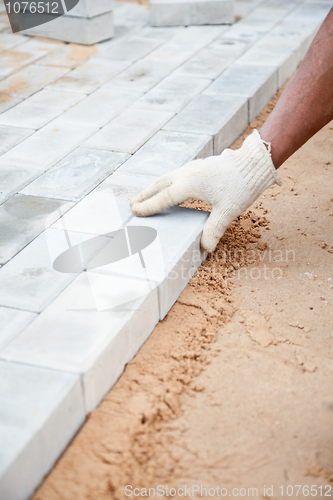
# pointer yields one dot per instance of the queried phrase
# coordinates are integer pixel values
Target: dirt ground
(234, 388)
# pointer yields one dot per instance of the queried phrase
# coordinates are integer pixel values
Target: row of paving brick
(59, 355)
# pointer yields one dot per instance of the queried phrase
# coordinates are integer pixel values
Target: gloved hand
(230, 183)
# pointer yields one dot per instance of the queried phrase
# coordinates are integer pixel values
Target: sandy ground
(234, 387)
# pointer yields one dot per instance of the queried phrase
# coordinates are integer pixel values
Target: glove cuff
(256, 166)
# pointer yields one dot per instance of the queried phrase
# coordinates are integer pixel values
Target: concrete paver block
(210, 61)
(40, 109)
(12, 322)
(11, 136)
(23, 218)
(73, 335)
(129, 130)
(257, 83)
(12, 180)
(224, 117)
(188, 12)
(17, 57)
(179, 231)
(82, 30)
(131, 48)
(7, 102)
(172, 93)
(48, 145)
(141, 76)
(89, 76)
(29, 281)
(29, 80)
(101, 106)
(166, 151)
(8, 41)
(36, 424)
(76, 175)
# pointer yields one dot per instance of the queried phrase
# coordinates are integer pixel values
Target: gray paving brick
(40, 109)
(17, 57)
(12, 180)
(29, 280)
(69, 56)
(9, 40)
(48, 145)
(86, 31)
(72, 335)
(129, 130)
(36, 424)
(257, 83)
(29, 80)
(11, 136)
(175, 256)
(163, 33)
(7, 102)
(131, 48)
(172, 93)
(122, 187)
(22, 218)
(141, 76)
(89, 76)
(76, 175)
(101, 106)
(12, 322)
(97, 213)
(188, 12)
(185, 44)
(224, 117)
(165, 151)
(212, 60)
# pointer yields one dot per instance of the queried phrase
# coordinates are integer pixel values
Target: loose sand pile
(234, 387)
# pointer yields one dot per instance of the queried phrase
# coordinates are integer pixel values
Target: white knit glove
(230, 183)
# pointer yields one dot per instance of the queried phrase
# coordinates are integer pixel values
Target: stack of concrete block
(89, 22)
(190, 12)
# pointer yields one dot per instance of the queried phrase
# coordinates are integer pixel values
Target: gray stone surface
(76, 175)
(36, 424)
(29, 280)
(129, 130)
(22, 218)
(223, 117)
(10, 136)
(178, 233)
(40, 109)
(8, 41)
(165, 151)
(172, 93)
(131, 48)
(256, 82)
(48, 146)
(101, 106)
(89, 76)
(12, 322)
(7, 102)
(188, 12)
(29, 80)
(12, 180)
(73, 336)
(86, 31)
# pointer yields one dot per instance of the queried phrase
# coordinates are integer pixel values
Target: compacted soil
(234, 388)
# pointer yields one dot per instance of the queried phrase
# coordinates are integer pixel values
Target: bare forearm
(306, 105)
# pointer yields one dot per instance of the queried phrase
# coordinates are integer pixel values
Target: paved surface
(82, 129)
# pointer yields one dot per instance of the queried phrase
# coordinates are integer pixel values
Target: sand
(234, 387)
